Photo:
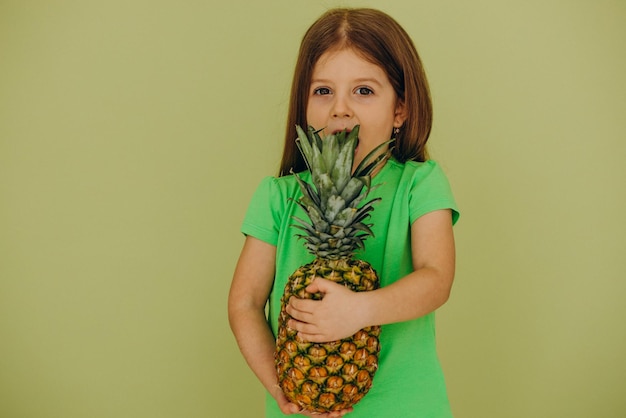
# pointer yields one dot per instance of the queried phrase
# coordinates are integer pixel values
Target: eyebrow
(365, 80)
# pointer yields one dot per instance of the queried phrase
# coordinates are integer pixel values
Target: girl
(357, 67)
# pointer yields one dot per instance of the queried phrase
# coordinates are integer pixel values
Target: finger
(305, 331)
(318, 285)
(299, 325)
(303, 327)
(302, 305)
(314, 337)
(299, 315)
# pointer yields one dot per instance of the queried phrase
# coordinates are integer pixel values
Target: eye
(321, 91)
(364, 91)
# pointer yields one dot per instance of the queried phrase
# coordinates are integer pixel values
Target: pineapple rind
(309, 373)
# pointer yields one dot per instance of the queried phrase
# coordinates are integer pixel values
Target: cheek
(380, 132)
(314, 119)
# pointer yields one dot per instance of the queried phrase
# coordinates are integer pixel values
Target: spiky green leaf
(334, 206)
(372, 159)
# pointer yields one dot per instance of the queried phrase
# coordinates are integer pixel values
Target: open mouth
(347, 131)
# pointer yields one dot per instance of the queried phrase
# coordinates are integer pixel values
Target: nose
(341, 108)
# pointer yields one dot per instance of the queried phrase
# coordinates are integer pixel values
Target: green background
(133, 132)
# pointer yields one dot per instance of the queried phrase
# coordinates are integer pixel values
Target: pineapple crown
(336, 228)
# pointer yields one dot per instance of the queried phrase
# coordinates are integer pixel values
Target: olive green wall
(133, 132)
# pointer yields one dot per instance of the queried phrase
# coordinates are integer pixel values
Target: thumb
(319, 285)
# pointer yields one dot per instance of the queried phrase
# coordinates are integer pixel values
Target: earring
(396, 131)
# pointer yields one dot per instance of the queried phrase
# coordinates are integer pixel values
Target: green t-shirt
(409, 381)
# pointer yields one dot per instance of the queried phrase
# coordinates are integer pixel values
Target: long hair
(381, 40)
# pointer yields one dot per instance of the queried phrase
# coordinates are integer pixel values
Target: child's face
(347, 90)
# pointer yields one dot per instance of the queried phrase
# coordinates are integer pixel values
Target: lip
(337, 128)
(347, 130)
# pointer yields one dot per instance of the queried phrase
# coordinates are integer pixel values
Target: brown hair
(382, 41)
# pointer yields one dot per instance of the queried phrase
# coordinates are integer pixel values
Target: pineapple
(322, 377)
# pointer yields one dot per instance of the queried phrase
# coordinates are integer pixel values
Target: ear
(400, 114)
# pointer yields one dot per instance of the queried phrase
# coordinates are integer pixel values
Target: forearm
(428, 286)
(249, 291)
(415, 295)
(256, 343)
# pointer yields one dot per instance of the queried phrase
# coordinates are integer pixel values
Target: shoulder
(277, 193)
(420, 168)
(414, 171)
(267, 207)
(426, 186)
(285, 186)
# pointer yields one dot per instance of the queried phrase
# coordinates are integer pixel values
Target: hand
(289, 408)
(332, 318)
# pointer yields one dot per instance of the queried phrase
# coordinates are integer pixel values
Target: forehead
(338, 61)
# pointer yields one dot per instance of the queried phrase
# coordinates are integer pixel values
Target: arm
(415, 295)
(250, 288)
(428, 286)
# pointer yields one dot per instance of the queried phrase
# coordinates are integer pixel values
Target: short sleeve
(262, 219)
(430, 191)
